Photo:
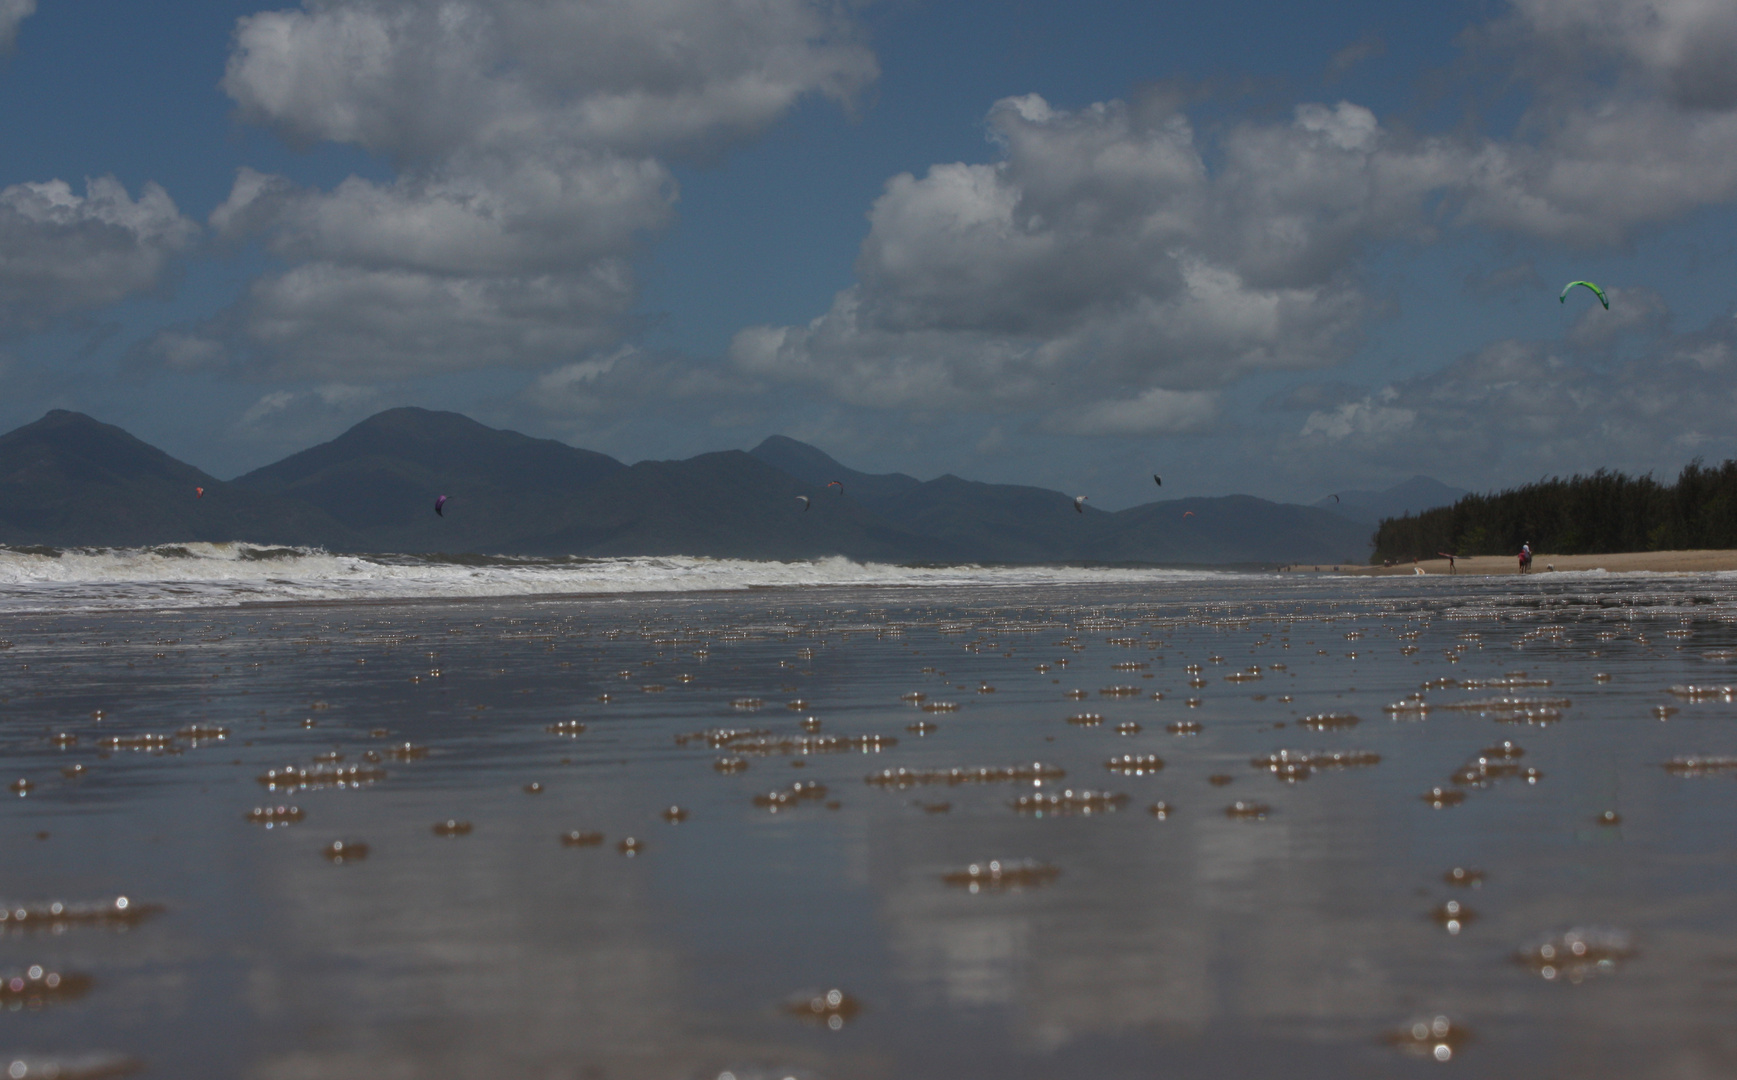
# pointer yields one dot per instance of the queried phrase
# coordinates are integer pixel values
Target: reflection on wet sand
(1307, 929)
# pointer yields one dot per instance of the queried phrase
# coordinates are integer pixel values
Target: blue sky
(1253, 248)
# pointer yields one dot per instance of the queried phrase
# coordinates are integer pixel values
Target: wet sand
(1258, 825)
(1626, 562)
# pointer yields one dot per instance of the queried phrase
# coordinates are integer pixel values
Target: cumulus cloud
(1101, 268)
(530, 138)
(1633, 119)
(1154, 412)
(1101, 259)
(62, 253)
(421, 79)
(1519, 409)
(13, 12)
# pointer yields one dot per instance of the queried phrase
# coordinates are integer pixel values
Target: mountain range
(69, 480)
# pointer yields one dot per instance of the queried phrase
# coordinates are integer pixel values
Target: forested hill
(1582, 515)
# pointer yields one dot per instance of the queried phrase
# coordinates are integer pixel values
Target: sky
(1250, 246)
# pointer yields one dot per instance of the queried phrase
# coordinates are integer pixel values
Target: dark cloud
(1518, 408)
(62, 253)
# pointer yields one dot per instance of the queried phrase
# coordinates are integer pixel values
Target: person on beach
(1450, 560)
(1525, 557)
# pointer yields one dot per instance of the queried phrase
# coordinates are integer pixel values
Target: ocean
(387, 816)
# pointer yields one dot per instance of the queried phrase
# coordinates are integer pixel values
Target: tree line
(1597, 514)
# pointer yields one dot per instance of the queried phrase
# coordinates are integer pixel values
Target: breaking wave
(226, 575)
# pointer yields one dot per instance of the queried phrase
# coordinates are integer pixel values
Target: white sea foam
(224, 575)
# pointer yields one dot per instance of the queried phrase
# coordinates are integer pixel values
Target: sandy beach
(1618, 562)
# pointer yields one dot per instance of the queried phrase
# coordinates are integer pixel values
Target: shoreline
(1621, 562)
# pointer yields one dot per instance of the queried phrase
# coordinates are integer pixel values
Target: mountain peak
(799, 459)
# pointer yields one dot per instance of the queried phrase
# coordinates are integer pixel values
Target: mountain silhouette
(68, 480)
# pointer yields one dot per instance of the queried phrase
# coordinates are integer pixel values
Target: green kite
(1596, 291)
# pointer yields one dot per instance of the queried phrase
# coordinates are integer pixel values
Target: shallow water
(474, 924)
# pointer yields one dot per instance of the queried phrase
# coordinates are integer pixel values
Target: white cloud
(13, 12)
(530, 138)
(1154, 412)
(1371, 416)
(1101, 258)
(1633, 119)
(423, 79)
(62, 253)
(1100, 262)
(1516, 409)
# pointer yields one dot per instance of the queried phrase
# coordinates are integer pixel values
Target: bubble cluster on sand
(814, 744)
(1576, 954)
(58, 914)
(1437, 1038)
(335, 776)
(786, 798)
(276, 816)
(1453, 915)
(1002, 874)
(566, 727)
(1464, 877)
(1247, 810)
(720, 738)
(345, 851)
(1069, 801)
(1499, 706)
(1296, 765)
(1701, 764)
(452, 827)
(830, 1008)
(1135, 764)
(37, 985)
(145, 741)
(1090, 719)
(1703, 693)
(581, 838)
(1497, 762)
(1333, 721)
(978, 774)
(1514, 680)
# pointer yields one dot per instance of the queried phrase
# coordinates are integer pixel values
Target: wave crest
(228, 574)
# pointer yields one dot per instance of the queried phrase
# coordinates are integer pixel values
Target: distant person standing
(1525, 557)
(1450, 560)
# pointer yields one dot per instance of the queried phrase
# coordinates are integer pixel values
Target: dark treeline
(1596, 514)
